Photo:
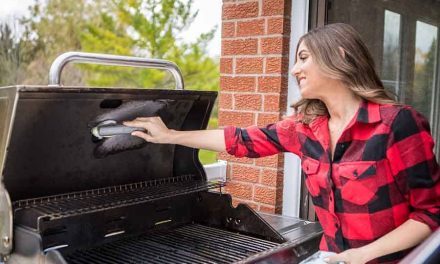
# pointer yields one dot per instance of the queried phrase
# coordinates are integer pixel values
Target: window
(402, 37)
(420, 95)
(391, 51)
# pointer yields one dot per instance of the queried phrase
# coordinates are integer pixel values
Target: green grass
(207, 157)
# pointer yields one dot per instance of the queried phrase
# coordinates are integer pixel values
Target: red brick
(242, 84)
(247, 46)
(266, 195)
(267, 209)
(230, 158)
(245, 173)
(241, 10)
(228, 29)
(274, 161)
(274, 45)
(273, 65)
(249, 65)
(278, 65)
(272, 178)
(239, 190)
(264, 119)
(228, 171)
(279, 199)
(271, 103)
(277, 26)
(225, 101)
(236, 202)
(250, 28)
(247, 102)
(225, 65)
(283, 103)
(274, 7)
(230, 118)
(272, 84)
(269, 177)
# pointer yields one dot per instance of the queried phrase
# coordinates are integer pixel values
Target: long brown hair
(355, 67)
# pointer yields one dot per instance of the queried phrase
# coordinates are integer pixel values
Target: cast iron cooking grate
(188, 244)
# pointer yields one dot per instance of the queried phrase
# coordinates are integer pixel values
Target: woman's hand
(351, 256)
(156, 130)
(405, 236)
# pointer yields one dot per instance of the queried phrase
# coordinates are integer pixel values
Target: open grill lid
(52, 151)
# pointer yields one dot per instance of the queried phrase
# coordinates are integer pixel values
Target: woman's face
(311, 80)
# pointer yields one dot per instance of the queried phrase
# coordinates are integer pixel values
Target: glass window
(391, 52)
(420, 95)
(402, 36)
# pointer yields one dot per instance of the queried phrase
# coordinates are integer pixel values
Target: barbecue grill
(70, 197)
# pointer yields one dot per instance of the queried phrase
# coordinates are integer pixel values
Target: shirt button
(331, 198)
(336, 225)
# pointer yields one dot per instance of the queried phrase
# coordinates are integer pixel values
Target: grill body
(135, 202)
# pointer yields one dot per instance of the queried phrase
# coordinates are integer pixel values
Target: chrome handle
(95, 58)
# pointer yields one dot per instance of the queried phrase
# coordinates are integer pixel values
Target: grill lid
(51, 149)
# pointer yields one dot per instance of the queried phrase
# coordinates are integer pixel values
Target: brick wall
(253, 91)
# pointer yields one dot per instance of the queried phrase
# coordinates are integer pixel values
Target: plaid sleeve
(414, 166)
(254, 142)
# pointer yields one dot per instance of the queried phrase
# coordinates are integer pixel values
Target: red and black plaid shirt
(383, 172)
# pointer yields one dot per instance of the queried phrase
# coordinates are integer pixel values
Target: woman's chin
(304, 94)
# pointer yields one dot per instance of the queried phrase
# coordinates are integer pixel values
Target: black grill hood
(51, 150)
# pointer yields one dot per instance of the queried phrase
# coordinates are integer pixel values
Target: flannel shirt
(383, 172)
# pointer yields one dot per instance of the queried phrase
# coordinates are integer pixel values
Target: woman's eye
(303, 58)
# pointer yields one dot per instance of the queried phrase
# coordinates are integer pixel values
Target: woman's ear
(342, 52)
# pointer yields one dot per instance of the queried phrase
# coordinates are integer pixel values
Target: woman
(368, 161)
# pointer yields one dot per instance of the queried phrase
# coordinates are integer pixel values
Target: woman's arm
(253, 141)
(157, 132)
(407, 235)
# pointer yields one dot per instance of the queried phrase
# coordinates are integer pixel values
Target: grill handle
(95, 58)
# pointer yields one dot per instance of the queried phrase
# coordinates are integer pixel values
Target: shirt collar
(369, 112)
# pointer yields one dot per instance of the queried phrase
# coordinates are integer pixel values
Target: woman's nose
(295, 70)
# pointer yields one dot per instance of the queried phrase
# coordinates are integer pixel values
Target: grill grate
(113, 197)
(188, 244)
